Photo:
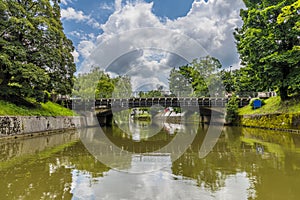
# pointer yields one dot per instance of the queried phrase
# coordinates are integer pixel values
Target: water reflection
(157, 185)
(114, 148)
(244, 164)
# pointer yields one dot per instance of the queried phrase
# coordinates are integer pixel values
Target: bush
(232, 110)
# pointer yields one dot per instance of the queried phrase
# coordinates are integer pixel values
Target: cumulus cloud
(85, 48)
(72, 14)
(133, 27)
(212, 24)
(75, 54)
(118, 5)
(65, 2)
(131, 16)
(78, 16)
(106, 6)
(80, 34)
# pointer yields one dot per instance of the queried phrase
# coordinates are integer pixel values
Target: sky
(145, 39)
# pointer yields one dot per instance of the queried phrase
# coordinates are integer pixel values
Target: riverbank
(275, 115)
(19, 126)
(32, 118)
(32, 108)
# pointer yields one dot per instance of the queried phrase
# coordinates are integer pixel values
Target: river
(244, 163)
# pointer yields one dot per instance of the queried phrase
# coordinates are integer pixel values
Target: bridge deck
(162, 101)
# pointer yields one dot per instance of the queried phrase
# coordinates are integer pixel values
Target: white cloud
(78, 15)
(65, 2)
(80, 34)
(72, 14)
(76, 34)
(91, 35)
(210, 25)
(105, 6)
(118, 5)
(131, 16)
(85, 48)
(92, 22)
(75, 54)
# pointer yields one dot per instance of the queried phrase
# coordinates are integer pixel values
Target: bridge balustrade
(163, 101)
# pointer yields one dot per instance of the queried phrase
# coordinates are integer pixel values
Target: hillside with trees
(35, 54)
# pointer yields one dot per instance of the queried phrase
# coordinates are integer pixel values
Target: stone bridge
(167, 102)
(106, 106)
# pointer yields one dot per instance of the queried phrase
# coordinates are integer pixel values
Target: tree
(179, 85)
(202, 74)
(98, 84)
(122, 87)
(232, 110)
(105, 87)
(35, 54)
(85, 84)
(228, 80)
(268, 43)
(205, 75)
(246, 82)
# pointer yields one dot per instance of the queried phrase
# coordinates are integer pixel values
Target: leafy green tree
(35, 54)
(207, 78)
(268, 43)
(247, 82)
(122, 87)
(85, 84)
(105, 87)
(98, 84)
(232, 109)
(179, 85)
(152, 93)
(228, 80)
(202, 74)
(243, 82)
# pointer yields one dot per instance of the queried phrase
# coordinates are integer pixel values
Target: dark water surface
(244, 164)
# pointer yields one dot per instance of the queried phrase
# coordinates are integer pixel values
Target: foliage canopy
(35, 54)
(269, 44)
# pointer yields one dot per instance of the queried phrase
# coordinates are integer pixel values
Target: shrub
(232, 110)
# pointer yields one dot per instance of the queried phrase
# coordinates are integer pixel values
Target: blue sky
(90, 23)
(100, 10)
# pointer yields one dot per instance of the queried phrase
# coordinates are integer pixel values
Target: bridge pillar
(105, 119)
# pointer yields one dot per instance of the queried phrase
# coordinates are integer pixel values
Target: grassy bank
(273, 105)
(37, 109)
(274, 114)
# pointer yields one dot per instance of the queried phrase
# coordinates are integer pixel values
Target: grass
(37, 109)
(273, 105)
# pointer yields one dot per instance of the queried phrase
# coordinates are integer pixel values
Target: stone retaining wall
(17, 125)
(272, 121)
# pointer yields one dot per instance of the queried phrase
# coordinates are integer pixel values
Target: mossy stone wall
(16, 125)
(272, 121)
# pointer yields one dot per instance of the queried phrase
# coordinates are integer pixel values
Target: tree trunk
(283, 89)
(283, 93)
(5, 78)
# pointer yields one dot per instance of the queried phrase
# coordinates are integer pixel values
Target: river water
(243, 163)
